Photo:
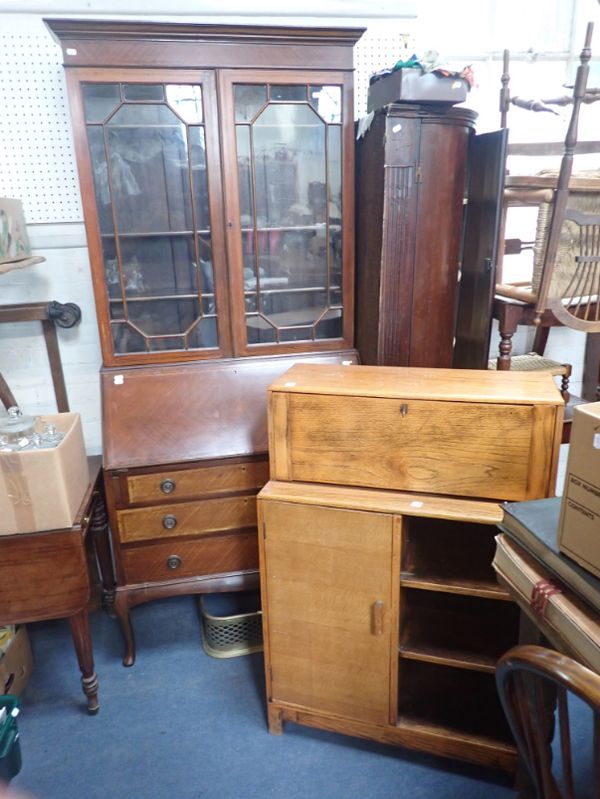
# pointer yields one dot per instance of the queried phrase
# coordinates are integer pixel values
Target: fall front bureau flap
(471, 433)
(154, 415)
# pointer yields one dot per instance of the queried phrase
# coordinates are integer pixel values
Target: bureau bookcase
(216, 168)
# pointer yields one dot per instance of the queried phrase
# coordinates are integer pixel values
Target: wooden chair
(531, 681)
(568, 276)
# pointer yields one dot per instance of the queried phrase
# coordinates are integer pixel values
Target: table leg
(100, 538)
(122, 612)
(80, 630)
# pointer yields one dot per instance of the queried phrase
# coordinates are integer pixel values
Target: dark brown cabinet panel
(412, 171)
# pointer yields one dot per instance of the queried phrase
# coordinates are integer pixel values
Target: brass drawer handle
(167, 486)
(169, 521)
(173, 562)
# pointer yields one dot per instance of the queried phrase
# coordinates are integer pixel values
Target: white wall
(37, 163)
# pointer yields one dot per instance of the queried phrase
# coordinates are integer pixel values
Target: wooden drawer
(217, 554)
(187, 518)
(201, 481)
(426, 438)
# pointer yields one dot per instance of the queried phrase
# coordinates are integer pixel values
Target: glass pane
(100, 174)
(334, 156)
(187, 102)
(289, 93)
(208, 305)
(242, 133)
(207, 277)
(149, 177)
(117, 310)
(163, 317)
(250, 266)
(289, 153)
(170, 343)
(159, 265)
(334, 163)
(204, 334)
(248, 100)
(143, 91)
(294, 309)
(112, 274)
(296, 334)
(137, 115)
(327, 101)
(331, 325)
(199, 177)
(99, 99)
(259, 331)
(126, 339)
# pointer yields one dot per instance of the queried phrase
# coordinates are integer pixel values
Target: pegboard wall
(37, 162)
(380, 47)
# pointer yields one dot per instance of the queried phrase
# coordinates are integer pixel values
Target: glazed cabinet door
(288, 155)
(148, 154)
(330, 605)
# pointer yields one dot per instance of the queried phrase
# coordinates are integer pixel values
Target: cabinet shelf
(483, 589)
(456, 700)
(468, 629)
(155, 234)
(455, 658)
(321, 226)
(159, 297)
(452, 556)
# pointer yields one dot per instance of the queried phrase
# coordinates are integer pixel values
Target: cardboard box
(14, 242)
(16, 664)
(411, 86)
(43, 489)
(579, 526)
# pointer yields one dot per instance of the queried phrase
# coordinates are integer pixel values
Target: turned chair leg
(505, 349)
(564, 383)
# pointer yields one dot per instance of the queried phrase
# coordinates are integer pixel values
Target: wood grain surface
(330, 641)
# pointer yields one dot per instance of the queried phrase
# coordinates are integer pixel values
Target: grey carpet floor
(182, 724)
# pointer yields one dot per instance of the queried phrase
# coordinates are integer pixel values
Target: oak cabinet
(445, 431)
(216, 167)
(383, 618)
(382, 614)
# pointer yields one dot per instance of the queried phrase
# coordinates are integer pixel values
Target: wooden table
(567, 622)
(569, 625)
(45, 575)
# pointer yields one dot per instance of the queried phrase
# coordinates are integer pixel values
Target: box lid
(195, 411)
(453, 385)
